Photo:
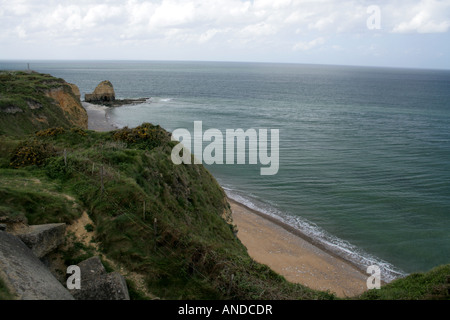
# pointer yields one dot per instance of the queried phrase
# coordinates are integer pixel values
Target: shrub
(31, 153)
(146, 136)
(56, 168)
(78, 131)
(51, 132)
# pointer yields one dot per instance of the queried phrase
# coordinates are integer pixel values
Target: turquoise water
(364, 152)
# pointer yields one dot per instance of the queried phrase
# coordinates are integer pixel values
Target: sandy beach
(97, 117)
(292, 256)
(273, 244)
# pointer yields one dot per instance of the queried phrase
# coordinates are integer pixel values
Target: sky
(398, 33)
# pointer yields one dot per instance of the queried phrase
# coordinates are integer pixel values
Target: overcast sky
(399, 33)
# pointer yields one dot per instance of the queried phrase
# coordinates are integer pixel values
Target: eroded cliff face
(31, 101)
(69, 102)
(75, 90)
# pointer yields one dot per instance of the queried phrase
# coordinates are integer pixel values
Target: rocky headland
(31, 101)
(115, 205)
(105, 95)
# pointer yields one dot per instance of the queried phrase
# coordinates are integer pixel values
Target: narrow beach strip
(289, 254)
(97, 120)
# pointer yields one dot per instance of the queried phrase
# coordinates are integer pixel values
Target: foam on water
(363, 151)
(340, 247)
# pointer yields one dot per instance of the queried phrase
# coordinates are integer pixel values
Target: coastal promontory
(115, 205)
(31, 101)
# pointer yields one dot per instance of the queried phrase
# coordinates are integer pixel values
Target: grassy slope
(182, 242)
(191, 251)
(5, 294)
(432, 285)
(24, 105)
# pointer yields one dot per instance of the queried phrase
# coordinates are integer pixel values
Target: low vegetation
(25, 105)
(169, 224)
(432, 285)
(5, 294)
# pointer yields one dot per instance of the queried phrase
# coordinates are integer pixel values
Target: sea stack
(104, 92)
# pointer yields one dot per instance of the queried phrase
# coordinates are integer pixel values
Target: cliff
(33, 101)
(166, 228)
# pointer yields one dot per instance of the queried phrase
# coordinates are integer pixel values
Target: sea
(364, 152)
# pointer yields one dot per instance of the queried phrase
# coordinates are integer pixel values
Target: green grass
(169, 223)
(5, 294)
(180, 241)
(24, 106)
(431, 285)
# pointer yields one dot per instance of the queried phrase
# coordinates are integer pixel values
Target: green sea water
(364, 152)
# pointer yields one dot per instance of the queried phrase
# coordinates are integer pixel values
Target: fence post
(231, 283)
(143, 213)
(101, 179)
(155, 229)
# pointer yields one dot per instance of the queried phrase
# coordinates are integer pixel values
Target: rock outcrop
(68, 101)
(31, 101)
(96, 284)
(104, 95)
(25, 275)
(103, 92)
(75, 90)
(43, 239)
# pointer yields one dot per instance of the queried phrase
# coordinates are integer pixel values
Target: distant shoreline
(119, 102)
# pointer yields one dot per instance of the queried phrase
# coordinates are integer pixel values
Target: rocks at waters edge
(104, 92)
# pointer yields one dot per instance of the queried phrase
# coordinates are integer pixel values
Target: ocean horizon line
(287, 63)
(368, 168)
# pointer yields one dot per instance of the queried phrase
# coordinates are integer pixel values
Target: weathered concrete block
(110, 286)
(91, 269)
(96, 284)
(25, 275)
(44, 238)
